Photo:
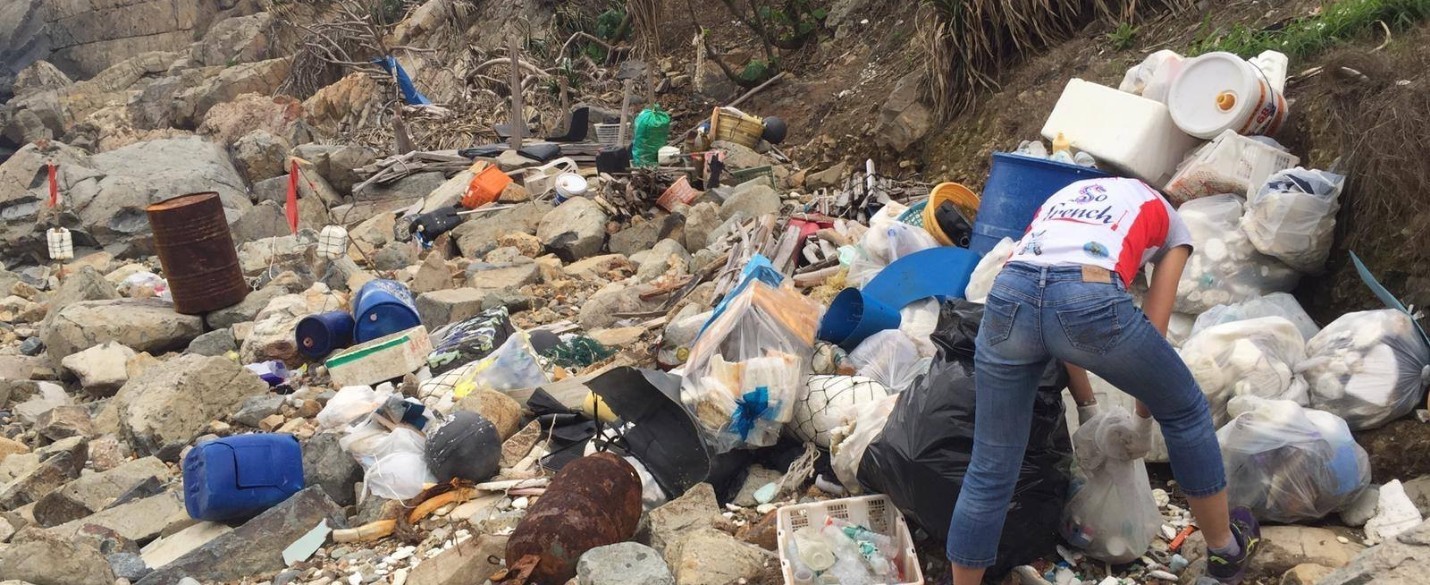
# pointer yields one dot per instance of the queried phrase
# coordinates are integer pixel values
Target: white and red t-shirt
(1117, 224)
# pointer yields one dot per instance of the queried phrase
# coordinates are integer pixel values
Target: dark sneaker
(1247, 532)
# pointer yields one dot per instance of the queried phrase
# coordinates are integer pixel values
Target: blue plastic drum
(321, 334)
(383, 307)
(1017, 186)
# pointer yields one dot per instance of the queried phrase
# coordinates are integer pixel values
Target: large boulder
(228, 121)
(148, 325)
(1401, 561)
(95, 491)
(903, 119)
(152, 171)
(174, 401)
(101, 369)
(574, 230)
(85, 284)
(478, 236)
(263, 77)
(751, 200)
(47, 559)
(231, 41)
(337, 164)
(260, 155)
(39, 76)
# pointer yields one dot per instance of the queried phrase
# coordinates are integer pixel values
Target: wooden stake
(518, 116)
(650, 84)
(565, 104)
(625, 112)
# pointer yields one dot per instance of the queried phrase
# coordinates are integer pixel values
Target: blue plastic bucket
(383, 307)
(1017, 186)
(853, 317)
(321, 334)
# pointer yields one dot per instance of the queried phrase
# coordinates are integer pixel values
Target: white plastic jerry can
(61, 244)
(332, 242)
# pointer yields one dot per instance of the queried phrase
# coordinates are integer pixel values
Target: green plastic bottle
(652, 132)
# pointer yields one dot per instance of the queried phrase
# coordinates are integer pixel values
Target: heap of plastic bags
(1292, 217)
(1273, 305)
(887, 240)
(1256, 357)
(1111, 515)
(1224, 267)
(1288, 463)
(1369, 367)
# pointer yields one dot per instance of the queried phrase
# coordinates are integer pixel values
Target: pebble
(1110, 580)
(1168, 532)
(355, 579)
(1162, 575)
(765, 508)
(403, 553)
(521, 503)
(399, 577)
(1161, 497)
(1343, 540)
(1178, 564)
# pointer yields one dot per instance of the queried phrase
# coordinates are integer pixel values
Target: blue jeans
(1035, 314)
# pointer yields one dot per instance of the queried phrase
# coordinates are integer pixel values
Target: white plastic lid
(570, 185)
(1215, 92)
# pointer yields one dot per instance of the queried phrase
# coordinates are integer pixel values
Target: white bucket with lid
(569, 185)
(1221, 91)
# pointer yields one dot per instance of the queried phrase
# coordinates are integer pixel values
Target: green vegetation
(1306, 37)
(758, 70)
(388, 12)
(794, 22)
(1123, 37)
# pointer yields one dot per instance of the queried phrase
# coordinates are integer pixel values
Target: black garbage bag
(920, 458)
(467, 447)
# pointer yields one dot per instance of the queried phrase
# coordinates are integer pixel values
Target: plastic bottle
(849, 565)
(1062, 144)
(1084, 159)
(813, 550)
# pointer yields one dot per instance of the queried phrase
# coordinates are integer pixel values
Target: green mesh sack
(652, 132)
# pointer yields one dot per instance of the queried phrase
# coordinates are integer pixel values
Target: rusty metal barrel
(593, 501)
(196, 249)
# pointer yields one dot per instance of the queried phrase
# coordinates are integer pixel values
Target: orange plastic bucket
(485, 187)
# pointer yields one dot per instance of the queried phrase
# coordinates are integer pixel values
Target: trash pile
(532, 361)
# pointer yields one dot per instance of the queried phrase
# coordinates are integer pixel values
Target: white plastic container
(570, 185)
(1221, 91)
(1132, 133)
(332, 242)
(1232, 164)
(61, 244)
(876, 513)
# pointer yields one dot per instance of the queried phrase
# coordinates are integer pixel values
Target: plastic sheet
(1368, 367)
(920, 458)
(1111, 514)
(1292, 217)
(1153, 76)
(848, 442)
(400, 468)
(1224, 267)
(513, 366)
(461, 343)
(1256, 357)
(919, 320)
(349, 404)
(988, 268)
(749, 365)
(1273, 305)
(891, 358)
(822, 404)
(1288, 463)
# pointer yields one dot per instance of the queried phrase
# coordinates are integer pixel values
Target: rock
(510, 160)
(263, 77)
(48, 396)
(700, 221)
(337, 164)
(1418, 490)
(1284, 547)
(1305, 574)
(255, 302)
(257, 408)
(1404, 560)
(503, 411)
(10, 447)
(294, 253)
(39, 76)
(50, 560)
(257, 546)
(214, 343)
(575, 230)
(754, 200)
(260, 155)
(738, 156)
(63, 422)
(100, 369)
(127, 565)
(660, 259)
(467, 562)
(395, 256)
(441, 307)
(165, 549)
(619, 337)
(478, 236)
(694, 510)
(230, 41)
(1361, 509)
(527, 245)
(638, 236)
(603, 308)
(174, 401)
(432, 275)
(149, 325)
(327, 465)
(757, 477)
(903, 119)
(85, 284)
(151, 171)
(763, 533)
(711, 557)
(52, 472)
(92, 492)
(626, 563)
(1395, 513)
(139, 520)
(272, 336)
(600, 267)
(509, 277)
(414, 186)
(106, 452)
(831, 177)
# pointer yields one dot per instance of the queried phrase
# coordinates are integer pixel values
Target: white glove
(1086, 412)
(1126, 438)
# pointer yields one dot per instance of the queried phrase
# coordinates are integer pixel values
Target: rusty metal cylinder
(593, 501)
(196, 249)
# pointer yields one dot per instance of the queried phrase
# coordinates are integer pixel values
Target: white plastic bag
(890, 358)
(1256, 357)
(1292, 217)
(513, 366)
(1153, 76)
(918, 320)
(826, 400)
(349, 404)
(1180, 327)
(1273, 305)
(1368, 367)
(400, 469)
(1230, 163)
(887, 240)
(1224, 267)
(1288, 463)
(1109, 396)
(987, 270)
(1111, 515)
(848, 442)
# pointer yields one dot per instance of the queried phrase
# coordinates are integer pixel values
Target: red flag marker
(54, 184)
(291, 207)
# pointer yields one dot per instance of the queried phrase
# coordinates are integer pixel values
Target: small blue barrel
(1017, 186)
(324, 333)
(238, 477)
(383, 307)
(853, 317)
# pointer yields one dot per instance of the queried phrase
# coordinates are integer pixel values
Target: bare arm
(1079, 385)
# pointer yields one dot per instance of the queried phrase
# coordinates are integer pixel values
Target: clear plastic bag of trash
(1288, 463)
(1111, 515)
(1292, 217)
(1255, 357)
(145, 285)
(1368, 367)
(1111, 396)
(1230, 163)
(1273, 305)
(1224, 267)
(887, 240)
(987, 270)
(513, 366)
(1153, 76)
(349, 404)
(891, 358)
(399, 469)
(847, 442)
(749, 364)
(919, 320)
(826, 400)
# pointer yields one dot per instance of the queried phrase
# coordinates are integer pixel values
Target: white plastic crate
(1231, 163)
(877, 513)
